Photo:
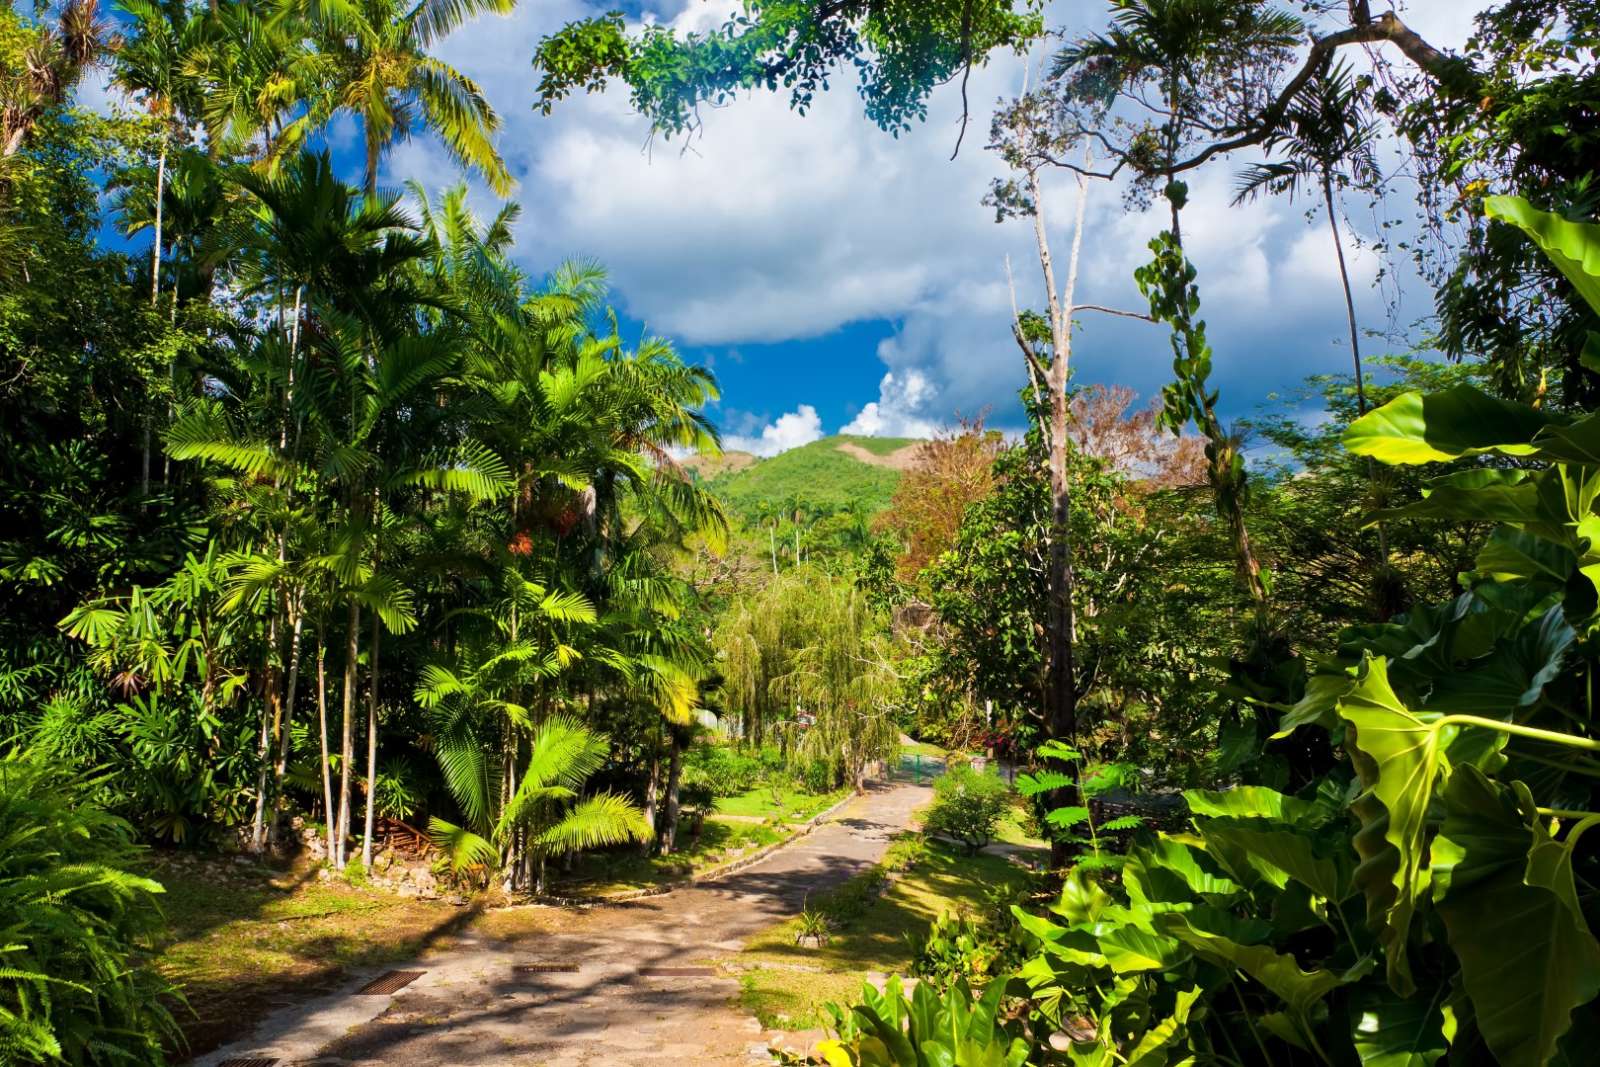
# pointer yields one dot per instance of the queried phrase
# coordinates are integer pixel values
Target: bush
(721, 770)
(818, 776)
(967, 806)
(71, 915)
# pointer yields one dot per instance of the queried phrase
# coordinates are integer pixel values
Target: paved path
(471, 1009)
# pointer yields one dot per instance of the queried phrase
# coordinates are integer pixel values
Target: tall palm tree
(54, 61)
(1328, 141)
(263, 86)
(152, 63)
(384, 76)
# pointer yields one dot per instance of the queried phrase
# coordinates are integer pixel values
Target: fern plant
(71, 915)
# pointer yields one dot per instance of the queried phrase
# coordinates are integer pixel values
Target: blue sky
(836, 278)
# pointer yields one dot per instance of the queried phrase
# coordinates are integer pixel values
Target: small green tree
(967, 806)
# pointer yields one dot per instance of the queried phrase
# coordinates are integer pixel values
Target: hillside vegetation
(825, 475)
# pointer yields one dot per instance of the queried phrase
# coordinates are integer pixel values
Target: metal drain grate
(250, 1061)
(392, 982)
(545, 968)
(678, 972)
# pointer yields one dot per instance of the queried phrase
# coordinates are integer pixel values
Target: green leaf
(1391, 1031)
(1460, 421)
(1250, 801)
(1402, 759)
(1505, 891)
(1574, 247)
(1283, 853)
(1279, 973)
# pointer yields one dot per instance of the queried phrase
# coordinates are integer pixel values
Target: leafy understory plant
(812, 925)
(546, 814)
(925, 1029)
(1433, 896)
(72, 914)
(1096, 783)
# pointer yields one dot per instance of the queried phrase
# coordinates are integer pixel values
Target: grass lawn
(240, 939)
(599, 873)
(791, 805)
(786, 985)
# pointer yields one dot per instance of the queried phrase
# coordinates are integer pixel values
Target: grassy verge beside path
(786, 985)
(241, 939)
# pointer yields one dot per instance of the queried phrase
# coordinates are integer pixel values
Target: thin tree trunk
(669, 835)
(281, 766)
(352, 655)
(155, 294)
(1061, 697)
(271, 714)
(329, 813)
(372, 743)
(1355, 346)
(772, 538)
(652, 787)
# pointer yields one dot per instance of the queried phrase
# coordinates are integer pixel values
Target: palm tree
(54, 61)
(259, 78)
(1327, 140)
(152, 64)
(545, 808)
(385, 77)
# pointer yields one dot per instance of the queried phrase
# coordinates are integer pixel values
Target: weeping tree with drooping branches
(807, 659)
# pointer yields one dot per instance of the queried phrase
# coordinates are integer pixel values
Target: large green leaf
(1249, 801)
(1574, 247)
(1505, 891)
(1391, 1031)
(1280, 973)
(1460, 421)
(1280, 853)
(1403, 760)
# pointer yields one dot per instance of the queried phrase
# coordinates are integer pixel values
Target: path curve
(471, 1009)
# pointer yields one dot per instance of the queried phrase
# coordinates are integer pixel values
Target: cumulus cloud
(798, 427)
(770, 226)
(899, 411)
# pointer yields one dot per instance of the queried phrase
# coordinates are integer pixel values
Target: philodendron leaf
(1505, 891)
(1402, 761)
(1249, 801)
(1574, 247)
(1391, 1031)
(1279, 853)
(1151, 1051)
(1281, 974)
(1460, 421)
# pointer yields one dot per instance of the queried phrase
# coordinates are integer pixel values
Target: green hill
(827, 475)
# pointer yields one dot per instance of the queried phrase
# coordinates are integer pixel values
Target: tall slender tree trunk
(652, 788)
(347, 749)
(669, 833)
(372, 743)
(271, 715)
(329, 813)
(285, 733)
(1355, 344)
(1061, 687)
(772, 538)
(155, 295)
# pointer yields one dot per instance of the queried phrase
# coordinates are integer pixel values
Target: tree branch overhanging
(1445, 68)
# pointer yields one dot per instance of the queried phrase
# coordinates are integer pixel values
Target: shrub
(71, 915)
(818, 776)
(967, 806)
(955, 946)
(722, 770)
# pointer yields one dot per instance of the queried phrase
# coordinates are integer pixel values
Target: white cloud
(798, 427)
(772, 226)
(899, 411)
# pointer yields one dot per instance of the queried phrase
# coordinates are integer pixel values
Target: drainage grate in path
(545, 968)
(250, 1061)
(392, 982)
(678, 972)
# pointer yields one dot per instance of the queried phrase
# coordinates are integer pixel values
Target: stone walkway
(471, 1008)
